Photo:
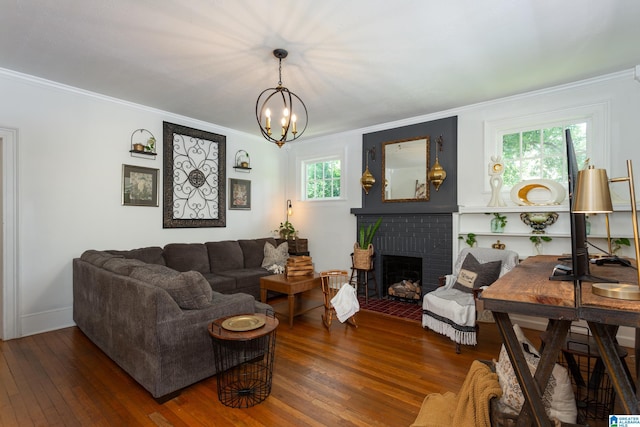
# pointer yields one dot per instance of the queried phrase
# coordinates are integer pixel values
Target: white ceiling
(354, 63)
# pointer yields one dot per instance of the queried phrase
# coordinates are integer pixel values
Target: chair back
(509, 258)
(332, 281)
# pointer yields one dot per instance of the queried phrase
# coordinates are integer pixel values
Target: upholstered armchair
(450, 310)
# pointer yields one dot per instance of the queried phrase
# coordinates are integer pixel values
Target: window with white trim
(533, 147)
(322, 179)
(540, 152)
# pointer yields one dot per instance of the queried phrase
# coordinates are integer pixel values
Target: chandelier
(281, 101)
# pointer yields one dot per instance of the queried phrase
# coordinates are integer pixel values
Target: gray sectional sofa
(148, 309)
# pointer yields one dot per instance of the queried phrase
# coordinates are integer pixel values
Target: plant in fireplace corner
(363, 248)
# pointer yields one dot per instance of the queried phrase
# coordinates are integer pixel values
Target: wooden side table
(244, 361)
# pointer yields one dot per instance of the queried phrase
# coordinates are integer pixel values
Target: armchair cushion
(474, 275)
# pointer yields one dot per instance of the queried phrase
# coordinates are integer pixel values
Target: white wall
(71, 148)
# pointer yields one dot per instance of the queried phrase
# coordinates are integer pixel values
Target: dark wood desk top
(527, 290)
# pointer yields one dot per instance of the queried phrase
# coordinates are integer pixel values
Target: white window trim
(300, 176)
(596, 115)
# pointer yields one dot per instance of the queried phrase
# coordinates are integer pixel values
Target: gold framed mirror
(405, 165)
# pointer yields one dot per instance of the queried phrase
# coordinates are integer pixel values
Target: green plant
(286, 230)
(470, 240)
(536, 240)
(502, 219)
(151, 144)
(365, 236)
(617, 244)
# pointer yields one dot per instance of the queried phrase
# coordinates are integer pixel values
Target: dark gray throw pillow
(474, 275)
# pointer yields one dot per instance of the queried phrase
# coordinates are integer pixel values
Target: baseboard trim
(46, 321)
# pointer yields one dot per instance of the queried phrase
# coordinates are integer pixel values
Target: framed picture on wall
(139, 186)
(239, 194)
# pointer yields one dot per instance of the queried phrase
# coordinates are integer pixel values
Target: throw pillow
(275, 256)
(474, 275)
(558, 397)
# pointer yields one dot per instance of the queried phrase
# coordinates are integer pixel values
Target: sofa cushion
(226, 255)
(97, 258)
(190, 290)
(187, 257)
(221, 283)
(150, 255)
(253, 251)
(122, 266)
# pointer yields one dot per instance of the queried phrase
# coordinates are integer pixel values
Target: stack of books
(298, 266)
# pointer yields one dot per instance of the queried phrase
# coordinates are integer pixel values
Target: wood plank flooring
(376, 375)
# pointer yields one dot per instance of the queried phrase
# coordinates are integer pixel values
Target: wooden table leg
(263, 295)
(292, 306)
(533, 411)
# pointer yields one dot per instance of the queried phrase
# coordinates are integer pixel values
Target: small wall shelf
(144, 146)
(243, 163)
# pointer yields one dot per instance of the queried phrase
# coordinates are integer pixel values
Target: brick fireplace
(427, 237)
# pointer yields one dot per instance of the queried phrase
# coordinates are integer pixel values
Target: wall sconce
(437, 174)
(289, 209)
(593, 196)
(367, 179)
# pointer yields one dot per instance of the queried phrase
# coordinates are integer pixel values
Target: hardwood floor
(376, 375)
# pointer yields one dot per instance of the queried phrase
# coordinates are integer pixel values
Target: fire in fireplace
(402, 277)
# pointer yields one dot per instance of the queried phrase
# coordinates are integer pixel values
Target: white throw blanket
(345, 302)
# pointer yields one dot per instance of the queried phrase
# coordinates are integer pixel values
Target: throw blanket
(345, 302)
(470, 407)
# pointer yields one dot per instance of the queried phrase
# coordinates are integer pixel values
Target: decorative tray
(242, 323)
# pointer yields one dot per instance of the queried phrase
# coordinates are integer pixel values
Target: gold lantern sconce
(437, 174)
(368, 179)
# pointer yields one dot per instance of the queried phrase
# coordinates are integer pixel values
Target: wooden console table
(527, 290)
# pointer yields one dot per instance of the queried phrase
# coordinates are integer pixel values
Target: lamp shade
(591, 193)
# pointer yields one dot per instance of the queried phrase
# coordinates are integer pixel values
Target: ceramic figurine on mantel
(496, 169)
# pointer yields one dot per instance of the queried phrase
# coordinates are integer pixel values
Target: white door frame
(10, 294)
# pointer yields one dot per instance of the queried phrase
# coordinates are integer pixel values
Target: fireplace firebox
(402, 277)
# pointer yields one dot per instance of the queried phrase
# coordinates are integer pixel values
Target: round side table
(244, 361)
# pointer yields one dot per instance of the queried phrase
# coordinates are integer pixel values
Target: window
(533, 147)
(540, 152)
(322, 179)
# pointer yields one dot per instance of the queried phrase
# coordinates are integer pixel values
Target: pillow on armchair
(474, 275)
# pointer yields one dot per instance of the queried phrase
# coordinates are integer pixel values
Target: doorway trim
(10, 294)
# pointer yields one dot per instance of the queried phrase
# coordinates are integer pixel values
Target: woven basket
(362, 257)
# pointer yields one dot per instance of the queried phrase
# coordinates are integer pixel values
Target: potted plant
(286, 230)
(363, 248)
(498, 222)
(470, 240)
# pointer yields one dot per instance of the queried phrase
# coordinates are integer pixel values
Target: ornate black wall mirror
(404, 170)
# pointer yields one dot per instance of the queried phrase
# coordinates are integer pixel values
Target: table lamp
(592, 196)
